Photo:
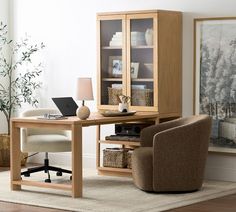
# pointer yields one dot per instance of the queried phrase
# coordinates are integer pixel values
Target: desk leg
(157, 120)
(98, 146)
(15, 156)
(77, 172)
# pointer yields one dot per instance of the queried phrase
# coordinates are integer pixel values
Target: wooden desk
(75, 125)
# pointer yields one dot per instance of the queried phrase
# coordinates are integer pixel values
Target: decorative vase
(149, 36)
(5, 152)
(123, 107)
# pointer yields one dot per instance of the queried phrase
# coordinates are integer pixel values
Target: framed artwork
(115, 66)
(134, 70)
(215, 78)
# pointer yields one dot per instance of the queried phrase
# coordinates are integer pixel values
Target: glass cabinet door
(141, 42)
(111, 60)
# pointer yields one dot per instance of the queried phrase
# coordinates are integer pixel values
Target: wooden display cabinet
(140, 55)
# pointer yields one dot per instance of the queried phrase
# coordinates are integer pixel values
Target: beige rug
(108, 194)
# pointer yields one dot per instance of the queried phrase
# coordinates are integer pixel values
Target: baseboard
(219, 173)
(221, 167)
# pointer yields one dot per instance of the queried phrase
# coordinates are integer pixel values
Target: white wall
(68, 28)
(4, 17)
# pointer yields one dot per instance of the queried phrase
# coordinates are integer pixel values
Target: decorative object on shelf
(18, 75)
(149, 37)
(215, 77)
(148, 70)
(115, 66)
(137, 38)
(123, 105)
(115, 157)
(134, 70)
(84, 92)
(139, 97)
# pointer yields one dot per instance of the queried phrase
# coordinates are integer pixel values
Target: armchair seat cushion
(142, 162)
(48, 143)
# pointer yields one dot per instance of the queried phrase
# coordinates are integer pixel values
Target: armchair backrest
(148, 133)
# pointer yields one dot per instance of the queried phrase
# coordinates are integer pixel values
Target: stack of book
(137, 39)
(116, 39)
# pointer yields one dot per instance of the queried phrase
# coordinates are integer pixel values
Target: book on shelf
(116, 86)
(119, 86)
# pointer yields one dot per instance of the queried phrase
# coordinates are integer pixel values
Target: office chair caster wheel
(27, 175)
(47, 181)
(59, 173)
(70, 177)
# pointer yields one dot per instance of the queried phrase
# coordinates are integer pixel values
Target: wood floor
(224, 204)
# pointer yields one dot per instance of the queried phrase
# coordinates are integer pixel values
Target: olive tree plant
(18, 74)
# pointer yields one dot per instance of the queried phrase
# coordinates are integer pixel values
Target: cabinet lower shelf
(125, 172)
(126, 143)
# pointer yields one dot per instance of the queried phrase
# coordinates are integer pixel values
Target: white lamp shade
(84, 89)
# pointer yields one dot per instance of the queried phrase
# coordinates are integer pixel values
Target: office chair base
(47, 181)
(59, 173)
(46, 168)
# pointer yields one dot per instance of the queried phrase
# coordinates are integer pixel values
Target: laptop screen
(66, 105)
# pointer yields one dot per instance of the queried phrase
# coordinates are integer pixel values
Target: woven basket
(129, 159)
(139, 97)
(115, 157)
(5, 152)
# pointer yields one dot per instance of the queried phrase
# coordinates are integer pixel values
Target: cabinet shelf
(112, 79)
(112, 47)
(133, 47)
(133, 80)
(142, 80)
(128, 143)
(142, 47)
(124, 170)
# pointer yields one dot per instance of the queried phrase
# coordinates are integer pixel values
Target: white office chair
(44, 140)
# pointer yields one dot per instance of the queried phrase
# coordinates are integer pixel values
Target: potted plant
(18, 82)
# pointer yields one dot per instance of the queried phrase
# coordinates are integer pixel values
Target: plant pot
(5, 152)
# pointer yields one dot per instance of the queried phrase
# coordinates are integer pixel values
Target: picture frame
(134, 70)
(215, 79)
(115, 66)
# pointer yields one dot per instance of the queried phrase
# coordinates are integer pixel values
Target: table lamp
(84, 92)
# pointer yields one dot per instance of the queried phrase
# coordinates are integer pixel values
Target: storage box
(129, 159)
(115, 157)
(139, 97)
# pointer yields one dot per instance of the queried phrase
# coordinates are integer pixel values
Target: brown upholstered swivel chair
(172, 155)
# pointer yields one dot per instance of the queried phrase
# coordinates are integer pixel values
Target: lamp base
(83, 112)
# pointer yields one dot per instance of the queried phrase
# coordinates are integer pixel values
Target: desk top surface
(95, 118)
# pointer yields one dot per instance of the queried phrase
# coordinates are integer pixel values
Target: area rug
(108, 194)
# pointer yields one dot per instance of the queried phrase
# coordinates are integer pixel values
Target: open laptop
(66, 105)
